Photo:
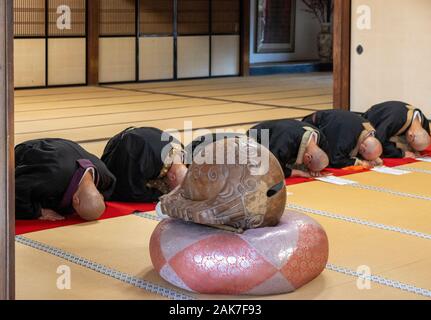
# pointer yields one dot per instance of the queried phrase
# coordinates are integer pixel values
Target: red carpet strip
(115, 209)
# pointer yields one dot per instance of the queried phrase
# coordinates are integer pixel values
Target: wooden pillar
(342, 16)
(7, 163)
(245, 37)
(93, 31)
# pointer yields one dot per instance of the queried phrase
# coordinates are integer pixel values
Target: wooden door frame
(93, 31)
(341, 49)
(245, 14)
(342, 38)
(7, 163)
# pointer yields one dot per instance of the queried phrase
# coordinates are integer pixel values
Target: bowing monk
(351, 138)
(146, 162)
(56, 177)
(403, 130)
(298, 146)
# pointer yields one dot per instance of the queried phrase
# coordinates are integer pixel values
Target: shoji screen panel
(29, 18)
(156, 58)
(117, 17)
(156, 17)
(225, 16)
(60, 40)
(156, 42)
(66, 45)
(193, 56)
(193, 43)
(56, 11)
(225, 50)
(66, 61)
(225, 39)
(29, 43)
(117, 43)
(117, 59)
(29, 63)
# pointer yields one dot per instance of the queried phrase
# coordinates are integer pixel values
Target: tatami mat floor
(379, 232)
(91, 115)
(385, 229)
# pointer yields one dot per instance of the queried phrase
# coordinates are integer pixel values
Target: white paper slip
(424, 159)
(336, 180)
(392, 171)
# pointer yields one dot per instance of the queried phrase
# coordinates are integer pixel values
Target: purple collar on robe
(83, 165)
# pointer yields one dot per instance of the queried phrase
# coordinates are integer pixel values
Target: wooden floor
(91, 115)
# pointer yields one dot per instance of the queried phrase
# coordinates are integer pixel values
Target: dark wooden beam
(93, 31)
(245, 38)
(7, 163)
(342, 12)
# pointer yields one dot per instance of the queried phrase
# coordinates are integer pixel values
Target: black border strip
(200, 128)
(125, 112)
(76, 99)
(97, 105)
(185, 82)
(152, 120)
(92, 90)
(144, 121)
(270, 92)
(120, 112)
(217, 98)
(225, 100)
(232, 86)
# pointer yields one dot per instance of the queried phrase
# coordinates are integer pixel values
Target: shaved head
(418, 138)
(88, 202)
(176, 175)
(371, 149)
(315, 158)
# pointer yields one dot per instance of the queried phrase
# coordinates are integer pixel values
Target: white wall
(307, 29)
(395, 64)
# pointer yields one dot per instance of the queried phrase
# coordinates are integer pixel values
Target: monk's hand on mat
(377, 163)
(50, 215)
(303, 174)
(366, 164)
(409, 154)
(300, 174)
(319, 174)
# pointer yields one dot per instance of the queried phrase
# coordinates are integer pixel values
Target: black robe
(43, 171)
(392, 119)
(201, 142)
(344, 132)
(287, 138)
(134, 156)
